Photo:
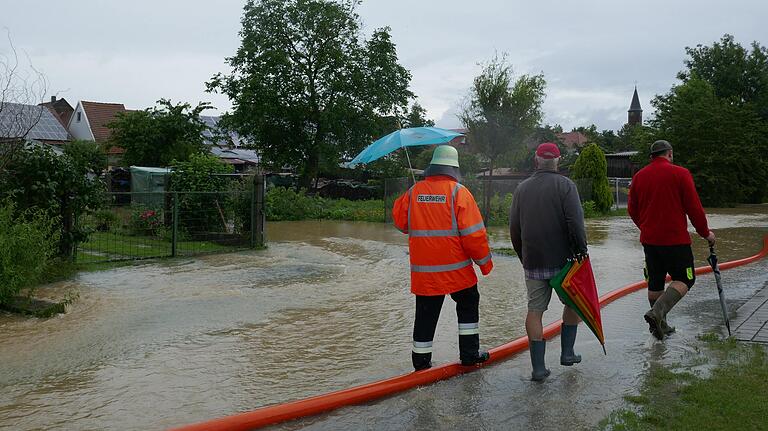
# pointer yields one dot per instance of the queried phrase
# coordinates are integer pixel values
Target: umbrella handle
(409, 164)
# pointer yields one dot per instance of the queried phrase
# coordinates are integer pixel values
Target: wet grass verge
(734, 396)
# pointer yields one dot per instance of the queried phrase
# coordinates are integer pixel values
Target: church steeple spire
(635, 112)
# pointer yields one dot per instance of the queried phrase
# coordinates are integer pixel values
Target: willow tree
(502, 111)
(307, 88)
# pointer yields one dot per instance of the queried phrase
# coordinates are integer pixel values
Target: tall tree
(717, 120)
(737, 75)
(592, 166)
(723, 145)
(502, 111)
(306, 87)
(157, 136)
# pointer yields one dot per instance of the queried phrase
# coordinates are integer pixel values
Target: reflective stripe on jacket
(446, 235)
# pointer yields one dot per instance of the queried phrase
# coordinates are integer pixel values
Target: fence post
(617, 193)
(175, 226)
(258, 215)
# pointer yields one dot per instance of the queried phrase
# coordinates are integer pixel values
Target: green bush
(499, 211)
(591, 164)
(27, 240)
(203, 175)
(62, 186)
(105, 220)
(145, 221)
(288, 204)
(590, 209)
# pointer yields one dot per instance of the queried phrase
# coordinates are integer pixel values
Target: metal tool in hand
(712, 259)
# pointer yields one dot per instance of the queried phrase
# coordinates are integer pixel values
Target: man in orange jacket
(445, 235)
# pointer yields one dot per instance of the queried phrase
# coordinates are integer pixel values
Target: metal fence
(620, 191)
(494, 197)
(165, 224)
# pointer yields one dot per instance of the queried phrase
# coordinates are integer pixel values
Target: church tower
(635, 113)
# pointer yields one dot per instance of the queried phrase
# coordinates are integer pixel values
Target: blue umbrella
(404, 138)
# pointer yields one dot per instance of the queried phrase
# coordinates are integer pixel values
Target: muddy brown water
(325, 307)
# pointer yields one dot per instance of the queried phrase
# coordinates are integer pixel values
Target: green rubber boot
(538, 348)
(567, 339)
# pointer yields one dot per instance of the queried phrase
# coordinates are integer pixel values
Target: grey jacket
(546, 222)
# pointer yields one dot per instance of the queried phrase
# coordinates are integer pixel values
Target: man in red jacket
(660, 197)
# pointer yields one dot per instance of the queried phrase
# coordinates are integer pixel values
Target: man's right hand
(711, 239)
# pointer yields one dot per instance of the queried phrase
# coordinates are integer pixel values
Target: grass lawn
(735, 396)
(106, 246)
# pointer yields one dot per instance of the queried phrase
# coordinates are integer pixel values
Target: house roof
(635, 105)
(249, 156)
(215, 136)
(622, 154)
(99, 115)
(573, 139)
(61, 109)
(30, 122)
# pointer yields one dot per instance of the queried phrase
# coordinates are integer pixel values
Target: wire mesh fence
(620, 191)
(164, 224)
(493, 197)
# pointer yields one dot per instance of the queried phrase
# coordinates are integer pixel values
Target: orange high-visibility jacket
(445, 235)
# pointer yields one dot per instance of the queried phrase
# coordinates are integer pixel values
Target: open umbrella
(712, 259)
(575, 285)
(404, 138)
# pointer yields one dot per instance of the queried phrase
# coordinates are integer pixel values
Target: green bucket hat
(445, 155)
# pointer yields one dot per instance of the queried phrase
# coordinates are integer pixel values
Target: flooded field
(327, 306)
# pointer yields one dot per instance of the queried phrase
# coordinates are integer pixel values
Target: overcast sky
(591, 51)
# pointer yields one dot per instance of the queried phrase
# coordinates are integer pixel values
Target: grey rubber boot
(538, 348)
(657, 316)
(567, 339)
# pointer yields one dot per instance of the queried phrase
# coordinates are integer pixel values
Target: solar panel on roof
(16, 119)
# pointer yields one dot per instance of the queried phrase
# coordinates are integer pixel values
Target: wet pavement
(326, 307)
(751, 323)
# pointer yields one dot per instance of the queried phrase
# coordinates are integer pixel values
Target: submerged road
(325, 308)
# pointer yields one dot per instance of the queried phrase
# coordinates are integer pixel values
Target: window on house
(79, 115)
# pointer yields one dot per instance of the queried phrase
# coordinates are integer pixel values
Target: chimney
(53, 99)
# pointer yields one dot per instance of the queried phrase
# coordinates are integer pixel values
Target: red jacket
(446, 235)
(661, 196)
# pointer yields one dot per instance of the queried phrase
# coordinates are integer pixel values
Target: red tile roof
(99, 115)
(573, 139)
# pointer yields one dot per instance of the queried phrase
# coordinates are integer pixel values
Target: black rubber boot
(657, 316)
(421, 361)
(567, 340)
(479, 359)
(538, 348)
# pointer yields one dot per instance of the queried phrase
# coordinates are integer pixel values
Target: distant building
(89, 123)
(228, 145)
(620, 165)
(61, 109)
(635, 112)
(573, 141)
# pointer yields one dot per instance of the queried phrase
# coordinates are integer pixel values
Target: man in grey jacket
(546, 225)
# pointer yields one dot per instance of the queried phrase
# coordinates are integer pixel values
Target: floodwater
(325, 307)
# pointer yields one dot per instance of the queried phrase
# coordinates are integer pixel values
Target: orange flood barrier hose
(322, 403)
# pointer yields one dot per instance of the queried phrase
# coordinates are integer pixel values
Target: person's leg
(424, 325)
(467, 311)
(655, 274)
(679, 261)
(539, 294)
(568, 337)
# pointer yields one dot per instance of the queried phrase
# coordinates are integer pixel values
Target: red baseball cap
(548, 150)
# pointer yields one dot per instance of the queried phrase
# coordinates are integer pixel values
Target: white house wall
(80, 129)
